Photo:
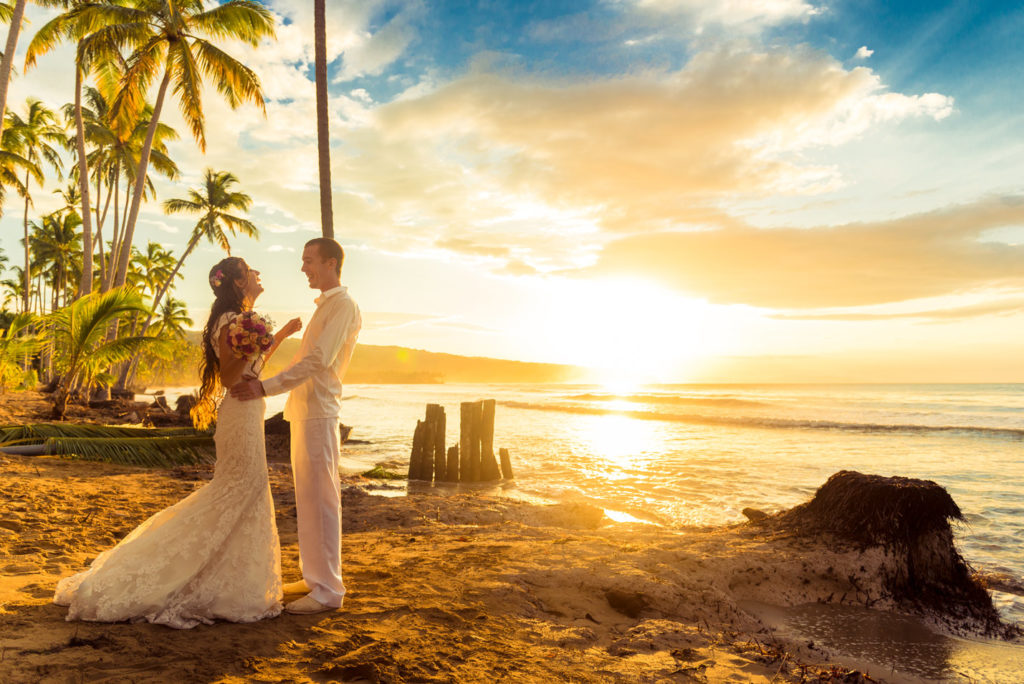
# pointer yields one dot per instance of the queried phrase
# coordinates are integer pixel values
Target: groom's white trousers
(315, 453)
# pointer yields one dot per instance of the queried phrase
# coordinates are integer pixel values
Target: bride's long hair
(228, 297)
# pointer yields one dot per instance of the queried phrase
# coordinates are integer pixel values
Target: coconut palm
(175, 38)
(38, 136)
(173, 322)
(15, 287)
(211, 202)
(79, 332)
(57, 246)
(323, 136)
(115, 154)
(14, 14)
(97, 50)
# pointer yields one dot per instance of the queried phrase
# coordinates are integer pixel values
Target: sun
(630, 331)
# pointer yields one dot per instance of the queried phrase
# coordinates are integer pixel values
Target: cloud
(863, 52)
(656, 149)
(731, 13)
(389, 321)
(857, 264)
(1003, 307)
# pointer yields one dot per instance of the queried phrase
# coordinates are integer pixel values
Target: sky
(664, 190)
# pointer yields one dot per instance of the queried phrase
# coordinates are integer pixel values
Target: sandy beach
(442, 586)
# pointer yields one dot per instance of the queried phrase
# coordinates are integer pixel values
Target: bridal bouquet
(249, 335)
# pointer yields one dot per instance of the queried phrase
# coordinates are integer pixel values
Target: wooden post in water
(435, 415)
(427, 453)
(465, 434)
(488, 466)
(506, 464)
(417, 451)
(452, 471)
(475, 418)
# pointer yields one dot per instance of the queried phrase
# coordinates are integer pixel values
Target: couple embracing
(215, 554)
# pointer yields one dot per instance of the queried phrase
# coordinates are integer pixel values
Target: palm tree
(58, 250)
(15, 287)
(170, 37)
(97, 50)
(212, 202)
(37, 136)
(115, 153)
(15, 16)
(323, 136)
(173, 321)
(79, 331)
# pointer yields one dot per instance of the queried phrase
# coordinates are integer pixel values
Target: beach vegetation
(78, 333)
(152, 447)
(102, 151)
(17, 342)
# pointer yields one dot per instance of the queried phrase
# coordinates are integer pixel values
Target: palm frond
(153, 447)
(235, 81)
(188, 87)
(238, 20)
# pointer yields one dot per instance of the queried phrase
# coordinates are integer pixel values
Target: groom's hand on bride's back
(243, 390)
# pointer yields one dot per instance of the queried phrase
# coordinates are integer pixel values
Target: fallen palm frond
(163, 447)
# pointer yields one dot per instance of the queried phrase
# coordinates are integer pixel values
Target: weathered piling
(417, 451)
(471, 460)
(465, 438)
(488, 465)
(506, 464)
(452, 471)
(426, 471)
(436, 417)
(475, 418)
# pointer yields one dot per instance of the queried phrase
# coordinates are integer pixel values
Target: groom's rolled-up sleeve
(321, 353)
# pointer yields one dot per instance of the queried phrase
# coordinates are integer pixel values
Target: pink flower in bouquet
(249, 335)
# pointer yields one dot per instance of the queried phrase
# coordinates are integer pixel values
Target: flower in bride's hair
(249, 335)
(217, 278)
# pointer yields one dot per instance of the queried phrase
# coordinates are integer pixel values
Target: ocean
(698, 455)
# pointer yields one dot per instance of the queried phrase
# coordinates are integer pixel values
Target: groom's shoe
(307, 605)
(299, 587)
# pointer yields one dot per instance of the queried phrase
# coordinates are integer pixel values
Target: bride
(214, 554)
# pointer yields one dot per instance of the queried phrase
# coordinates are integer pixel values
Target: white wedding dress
(213, 555)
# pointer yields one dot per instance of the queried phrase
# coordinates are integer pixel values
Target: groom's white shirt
(315, 374)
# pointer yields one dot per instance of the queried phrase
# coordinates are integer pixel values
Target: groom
(313, 381)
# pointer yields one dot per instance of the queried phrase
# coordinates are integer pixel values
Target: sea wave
(727, 402)
(773, 422)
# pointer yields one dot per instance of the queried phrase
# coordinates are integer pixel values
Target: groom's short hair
(328, 248)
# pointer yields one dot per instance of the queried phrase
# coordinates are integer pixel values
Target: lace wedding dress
(213, 555)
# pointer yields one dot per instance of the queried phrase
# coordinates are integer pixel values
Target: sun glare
(630, 331)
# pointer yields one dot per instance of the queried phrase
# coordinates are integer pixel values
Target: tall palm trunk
(28, 276)
(8, 60)
(85, 286)
(108, 273)
(323, 138)
(140, 184)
